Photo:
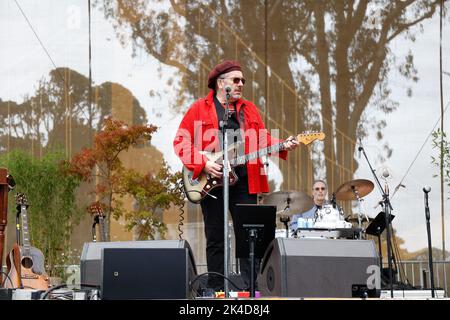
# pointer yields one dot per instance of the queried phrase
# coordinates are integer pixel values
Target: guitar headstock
(96, 210)
(307, 138)
(21, 199)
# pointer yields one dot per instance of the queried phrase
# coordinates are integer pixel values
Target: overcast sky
(63, 29)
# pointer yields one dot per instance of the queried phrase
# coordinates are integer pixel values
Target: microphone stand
(387, 207)
(430, 252)
(94, 232)
(223, 127)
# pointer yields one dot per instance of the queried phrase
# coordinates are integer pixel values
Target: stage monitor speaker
(320, 268)
(158, 269)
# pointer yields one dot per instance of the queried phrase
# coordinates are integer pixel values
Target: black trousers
(214, 231)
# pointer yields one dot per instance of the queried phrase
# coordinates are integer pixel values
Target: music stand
(376, 228)
(253, 224)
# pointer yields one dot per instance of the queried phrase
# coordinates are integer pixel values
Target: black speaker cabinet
(318, 268)
(159, 269)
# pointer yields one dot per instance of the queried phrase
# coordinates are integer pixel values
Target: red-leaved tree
(102, 166)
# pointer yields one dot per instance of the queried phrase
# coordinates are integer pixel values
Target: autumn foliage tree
(153, 193)
(101, 164)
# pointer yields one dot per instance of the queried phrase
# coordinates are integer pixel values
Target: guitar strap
(236, 138)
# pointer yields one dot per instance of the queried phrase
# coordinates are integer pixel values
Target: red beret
(223, 67)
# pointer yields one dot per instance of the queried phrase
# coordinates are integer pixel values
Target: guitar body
(197, 189)
(26, 271)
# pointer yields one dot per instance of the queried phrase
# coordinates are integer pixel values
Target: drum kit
(328, 219)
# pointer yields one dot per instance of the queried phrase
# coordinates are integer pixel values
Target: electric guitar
(96, 210)
(197, 189)
(25, 263)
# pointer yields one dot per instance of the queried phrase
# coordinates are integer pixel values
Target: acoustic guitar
(25, 263)
(197, 189)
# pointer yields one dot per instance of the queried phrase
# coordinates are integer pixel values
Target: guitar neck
(257, 154)
(25, 233)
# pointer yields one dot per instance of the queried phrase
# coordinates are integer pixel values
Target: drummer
(319, 193)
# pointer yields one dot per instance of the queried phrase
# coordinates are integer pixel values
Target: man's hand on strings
(213, 169)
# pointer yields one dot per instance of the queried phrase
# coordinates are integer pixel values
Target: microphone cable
(182, 197)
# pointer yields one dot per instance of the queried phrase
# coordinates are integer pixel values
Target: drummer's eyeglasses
(321, 188)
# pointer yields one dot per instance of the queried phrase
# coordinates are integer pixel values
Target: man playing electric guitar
(199, 131)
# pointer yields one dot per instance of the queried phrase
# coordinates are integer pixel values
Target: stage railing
(417, 273)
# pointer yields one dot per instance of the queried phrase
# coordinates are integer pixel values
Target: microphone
(359, 149)
(426, 189)
(227, 90)
(386, 173)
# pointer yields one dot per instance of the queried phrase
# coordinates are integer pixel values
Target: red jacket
(199, 131)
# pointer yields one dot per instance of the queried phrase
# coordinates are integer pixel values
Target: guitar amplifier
(157, 269)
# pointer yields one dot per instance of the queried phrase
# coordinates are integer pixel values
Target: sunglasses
(236, 80)
(317, 189)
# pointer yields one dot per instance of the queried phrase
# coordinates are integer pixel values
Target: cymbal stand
(285, 219)
(360, 212)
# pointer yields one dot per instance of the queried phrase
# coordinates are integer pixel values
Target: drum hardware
(289, 202)
(285, 220)
(345, 191)
(354, 219)
(328, 217)
(355, 190)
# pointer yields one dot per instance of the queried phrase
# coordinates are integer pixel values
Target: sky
(62, 26)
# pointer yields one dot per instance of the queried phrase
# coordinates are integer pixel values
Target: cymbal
(298, 202)
(346, 190)
(355, 219)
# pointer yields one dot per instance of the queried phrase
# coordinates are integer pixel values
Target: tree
(322, 64)
(51, 195)
(444, 154)
(113, 181)
(153, 193)
(58, 114)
